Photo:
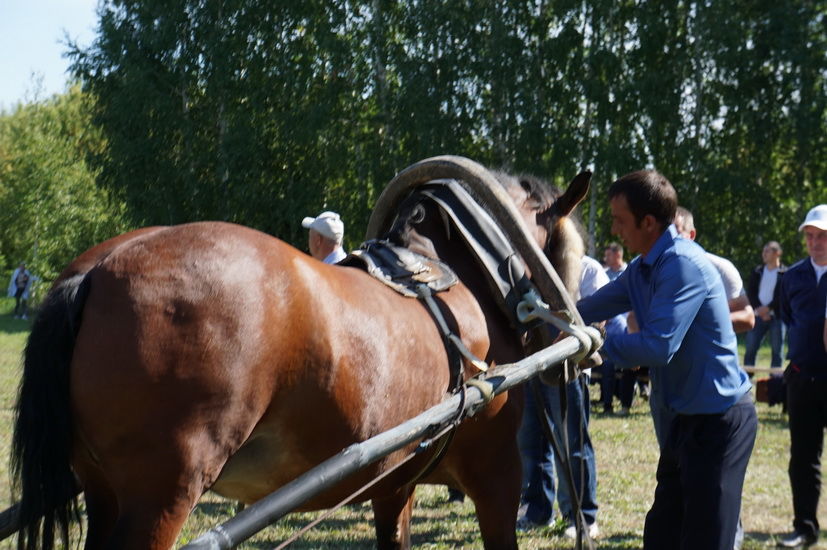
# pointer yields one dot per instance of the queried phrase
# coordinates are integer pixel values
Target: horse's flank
(208, 326)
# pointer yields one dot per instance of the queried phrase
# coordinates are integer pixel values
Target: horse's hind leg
(150, 519)
(101, 512)
(392, 519)
(142, 499)
(140, 524)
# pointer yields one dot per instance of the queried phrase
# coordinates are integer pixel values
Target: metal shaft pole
(281, 502)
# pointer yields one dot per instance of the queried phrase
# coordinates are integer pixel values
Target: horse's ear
(575, 193)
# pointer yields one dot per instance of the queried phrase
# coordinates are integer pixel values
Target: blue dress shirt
(685, 329)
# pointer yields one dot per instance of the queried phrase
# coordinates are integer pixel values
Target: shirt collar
(336, 256)
(819, 269)
(661, 245)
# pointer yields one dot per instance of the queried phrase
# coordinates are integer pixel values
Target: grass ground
(626, 458)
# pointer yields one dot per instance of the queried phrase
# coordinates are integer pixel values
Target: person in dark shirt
(803, 299)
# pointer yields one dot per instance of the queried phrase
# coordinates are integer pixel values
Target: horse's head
(548, 214)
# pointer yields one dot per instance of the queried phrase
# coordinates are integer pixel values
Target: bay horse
(208, 356)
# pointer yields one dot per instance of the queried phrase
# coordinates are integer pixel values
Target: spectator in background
(803, 298)
(613, 260)
(539, 461)
(763, 291)
(740, 313)
(686, 335)
(610, 385)
(325, 235)
(19, 286)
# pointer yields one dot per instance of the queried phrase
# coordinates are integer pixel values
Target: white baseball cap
(328, 224)
(817, 217)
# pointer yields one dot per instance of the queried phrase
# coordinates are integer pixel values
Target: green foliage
(262, 113)
(50, 207)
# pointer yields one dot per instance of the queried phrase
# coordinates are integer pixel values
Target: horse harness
(416, 276)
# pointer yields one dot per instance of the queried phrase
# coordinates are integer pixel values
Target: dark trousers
(539, 461)
(610, 385)
(19, 302)
(776, 330)
(700, 479)
(807, 407)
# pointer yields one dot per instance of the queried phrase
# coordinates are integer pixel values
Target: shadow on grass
(10, 325)
(753, 540)
(774, 417)
(619, 541)
(353, 532)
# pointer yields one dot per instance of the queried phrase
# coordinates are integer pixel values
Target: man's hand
(631, 323)
(764, 313)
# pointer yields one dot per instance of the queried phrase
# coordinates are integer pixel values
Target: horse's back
(168, 372)
(201, 338)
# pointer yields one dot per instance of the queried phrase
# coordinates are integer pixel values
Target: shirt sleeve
(607, 301)
(733, 284)
(679, 293)
(592, 277)
(784, 302)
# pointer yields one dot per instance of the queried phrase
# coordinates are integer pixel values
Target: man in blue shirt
(803, 299)
(685, 333)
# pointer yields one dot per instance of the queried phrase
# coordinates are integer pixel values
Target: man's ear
(649, 223)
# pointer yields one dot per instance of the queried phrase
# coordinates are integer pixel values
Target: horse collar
(493, 251)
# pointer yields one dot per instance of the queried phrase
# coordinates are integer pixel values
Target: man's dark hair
(773, 245)
(647, 192)
(614, 247)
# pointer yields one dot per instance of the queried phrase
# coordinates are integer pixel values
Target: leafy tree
(50, 206)
(249, 111)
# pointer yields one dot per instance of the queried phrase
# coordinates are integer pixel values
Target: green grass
(626, 459)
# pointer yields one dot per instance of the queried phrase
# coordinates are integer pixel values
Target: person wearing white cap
(803, 299)
(325, 237)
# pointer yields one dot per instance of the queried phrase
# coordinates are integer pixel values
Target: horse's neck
(421, 244)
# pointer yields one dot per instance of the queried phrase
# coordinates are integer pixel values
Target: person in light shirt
(764, 290)
(325, 235)
(538, 458)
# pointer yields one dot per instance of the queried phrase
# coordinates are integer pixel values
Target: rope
(562, 451)
(424, 445)
(532, 307)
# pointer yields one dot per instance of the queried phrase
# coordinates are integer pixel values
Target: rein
(423, 446)
(561, 449)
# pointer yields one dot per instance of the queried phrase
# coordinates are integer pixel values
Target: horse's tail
(42, 445)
